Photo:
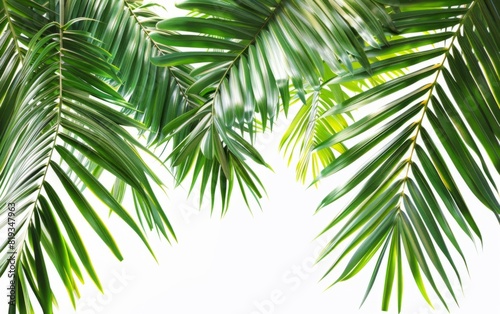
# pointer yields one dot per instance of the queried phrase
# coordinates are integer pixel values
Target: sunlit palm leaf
(249, 52)
(57, 102)
(427, 130)
(308, 129)
(157, 93)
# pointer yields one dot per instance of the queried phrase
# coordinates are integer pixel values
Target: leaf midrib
(251, 42)
(58, 117)
(431, 92)
(12, 30)
(157, 47)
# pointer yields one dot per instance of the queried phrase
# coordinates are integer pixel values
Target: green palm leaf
(126, 29)
(429, 129)
(15, 35)
(56, 110)
(407, 88)
(308, 129)
(157, 95)
(249, 52)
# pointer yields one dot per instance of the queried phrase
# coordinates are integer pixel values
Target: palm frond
(247, 53)
(125, 28)
(156, 95)
(308, 129)
(14, 37)
(428, 130)
(58, 107)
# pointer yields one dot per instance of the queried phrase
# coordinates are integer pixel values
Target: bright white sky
(258, 264)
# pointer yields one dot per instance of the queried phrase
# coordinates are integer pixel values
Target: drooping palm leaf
(307, 130)
(253, 50)
(427, 131)
(124, 29)
(57, 107)
(157, 94)
(249, 52)
(15, 36)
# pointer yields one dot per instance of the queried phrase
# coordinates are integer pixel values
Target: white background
(244, 264)
(260, 263)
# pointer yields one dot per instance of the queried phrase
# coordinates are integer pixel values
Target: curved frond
(124, 28)
(308, 129)
(156, 95)
(428, 130)
(14, 38)
(248, 55)
(60, 108)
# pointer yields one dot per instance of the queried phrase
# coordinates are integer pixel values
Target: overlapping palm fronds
(251, 56)
(58, 112)
(409, 89)
(421, 135)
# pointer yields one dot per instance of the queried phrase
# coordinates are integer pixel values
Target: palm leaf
(308, 129)
(423, 133)
(125, 29)
(57, 107)
(15, 35)
(249, 52)
(156, 95)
